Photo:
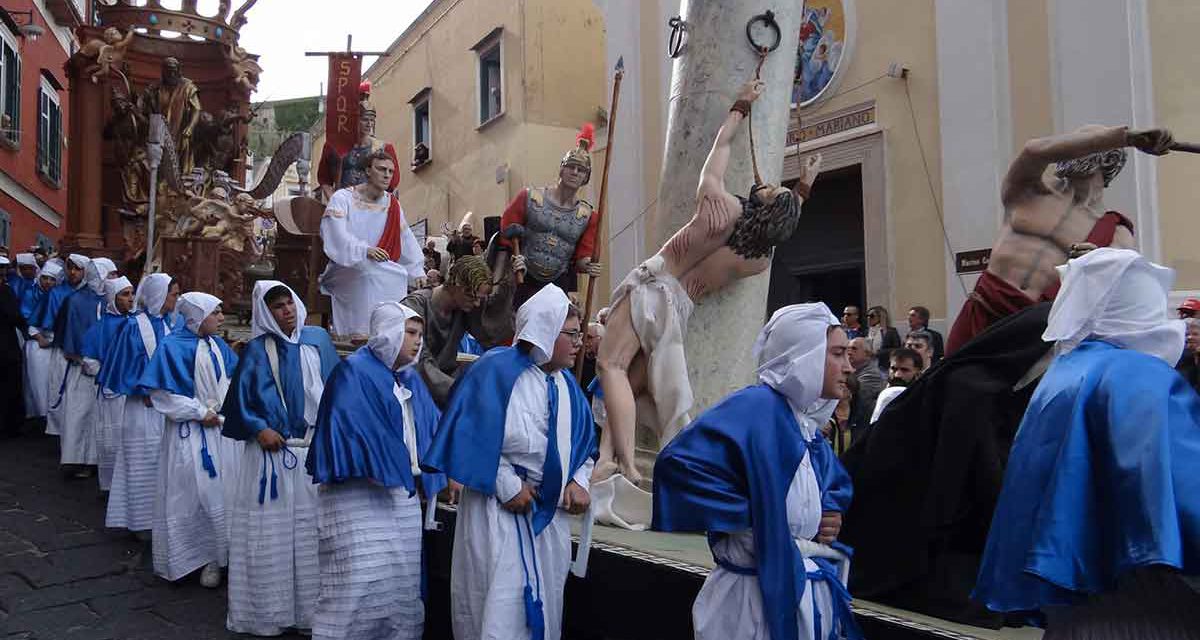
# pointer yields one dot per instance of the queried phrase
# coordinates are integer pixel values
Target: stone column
(716, 61)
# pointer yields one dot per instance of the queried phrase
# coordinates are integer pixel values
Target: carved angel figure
(108, 50)
(246, 69)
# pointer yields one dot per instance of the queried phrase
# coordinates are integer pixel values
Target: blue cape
(30, 298)
(468, 344)
(78, 313)
(252, 403)
(47, 309)
(467, 445)
(360, 426)
(1101, 479)
(102, 342)
(730, 470)
(126, 359)
(173, 367)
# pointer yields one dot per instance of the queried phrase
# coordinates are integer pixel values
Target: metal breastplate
(353, 173)
(551, 233)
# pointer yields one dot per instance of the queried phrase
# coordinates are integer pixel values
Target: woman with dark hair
(882, 335)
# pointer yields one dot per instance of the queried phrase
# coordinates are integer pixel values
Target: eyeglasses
(576, 336)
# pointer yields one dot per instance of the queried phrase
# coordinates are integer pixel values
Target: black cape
(928, 474)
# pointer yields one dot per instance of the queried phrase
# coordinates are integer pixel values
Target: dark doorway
(824, 260)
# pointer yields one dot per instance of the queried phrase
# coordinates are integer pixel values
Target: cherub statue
(246, 69)
(232, 223)
(107, 50)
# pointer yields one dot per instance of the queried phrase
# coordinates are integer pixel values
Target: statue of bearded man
(178, 101)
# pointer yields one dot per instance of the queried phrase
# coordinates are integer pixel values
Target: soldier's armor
(551, 233)
(353, 171)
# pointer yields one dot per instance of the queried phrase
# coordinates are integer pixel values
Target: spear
(618, 74)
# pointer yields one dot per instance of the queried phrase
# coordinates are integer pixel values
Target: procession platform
(641, 584)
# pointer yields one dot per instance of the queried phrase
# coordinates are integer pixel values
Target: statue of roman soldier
(556, 229)
(349, 170)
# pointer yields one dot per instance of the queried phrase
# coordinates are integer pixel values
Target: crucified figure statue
(728, 238)
(1050, 217)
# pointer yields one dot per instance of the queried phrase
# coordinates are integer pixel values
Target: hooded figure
(373, 429)
(135, 478)
(1100, 507)
(272, 406)
(197, 467)
(37, 354)
(73, 405)
(41, 329)
(756, 475)
(27, 288)
(518, 424)
(98, 354)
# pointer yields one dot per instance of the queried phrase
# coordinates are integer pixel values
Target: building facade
(918, 108)
(496, 91)
(36, 39)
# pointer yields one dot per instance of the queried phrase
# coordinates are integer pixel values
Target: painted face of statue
(112, 35)
(380, 173)
(171, 72)
(573, 175)
(366, 125)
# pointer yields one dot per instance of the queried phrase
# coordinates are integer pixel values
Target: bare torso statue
(728, 238)
(1049, 217)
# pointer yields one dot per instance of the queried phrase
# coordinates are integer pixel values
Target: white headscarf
(791, 359)
(78, 260)
(26, 260)
(52, 269)
(152, 293)
(4, 262)
(540, 320)
(195, 306)
(388, 322)
(261, 320)
(1118, 296)
(112, 288)
(96, 272)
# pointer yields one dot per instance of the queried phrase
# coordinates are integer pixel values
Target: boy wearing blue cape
(272, 406)
(1098, 524)
(98, 352)
(135, 478)
(374, 426)
(37, 352)
(755, 473)
(42, 331)
(73, 404)
(186, 381)
(518, 435)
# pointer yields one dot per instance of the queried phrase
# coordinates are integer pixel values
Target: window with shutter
(10, 88)
(49, 133)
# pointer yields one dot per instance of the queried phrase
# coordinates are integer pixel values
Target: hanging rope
(762, 57)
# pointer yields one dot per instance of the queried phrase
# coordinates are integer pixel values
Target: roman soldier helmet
(581, 154)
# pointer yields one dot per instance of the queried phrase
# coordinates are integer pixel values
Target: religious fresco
(822, 39)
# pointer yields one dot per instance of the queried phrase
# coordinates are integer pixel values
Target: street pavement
(64, 576)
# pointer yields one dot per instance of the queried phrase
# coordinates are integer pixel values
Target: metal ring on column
(768, 22)
(676, 41)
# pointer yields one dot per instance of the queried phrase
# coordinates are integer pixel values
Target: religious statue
(1048, 218)
(341, 172)
(556, 229)
(215, 137)
(127, 131)
(728, 238)
(106, 51)
(177, 100)
(246, 69)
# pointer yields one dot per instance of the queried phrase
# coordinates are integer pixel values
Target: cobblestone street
(64, 576)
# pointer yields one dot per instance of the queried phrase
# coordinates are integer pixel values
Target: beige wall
(1029, 70)
(1177, 106)
(888, 32)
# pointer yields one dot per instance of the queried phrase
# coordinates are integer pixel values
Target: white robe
(78, 414)
(135, 473)
(487, 579)
(370, 549)
(729, 605)
(190, 525)
(56, 369)
(355, 283)
(274, 575)
(37, 373)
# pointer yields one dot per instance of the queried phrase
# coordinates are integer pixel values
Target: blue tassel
(262, 481)
(274, 489)
(205, 459)
(535, 618)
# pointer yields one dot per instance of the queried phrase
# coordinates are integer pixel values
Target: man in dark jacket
(12, 400)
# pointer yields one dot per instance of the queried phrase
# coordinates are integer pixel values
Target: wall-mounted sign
(826, 31)
(972, 261)
(830, 125)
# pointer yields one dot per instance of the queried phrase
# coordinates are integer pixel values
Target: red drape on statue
(390, 240)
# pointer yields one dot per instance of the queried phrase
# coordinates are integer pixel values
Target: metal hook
(676, 41)
(768, 20)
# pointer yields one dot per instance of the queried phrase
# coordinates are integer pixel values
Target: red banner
(341, 105)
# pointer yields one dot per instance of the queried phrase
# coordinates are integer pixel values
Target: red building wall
(19, 166)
